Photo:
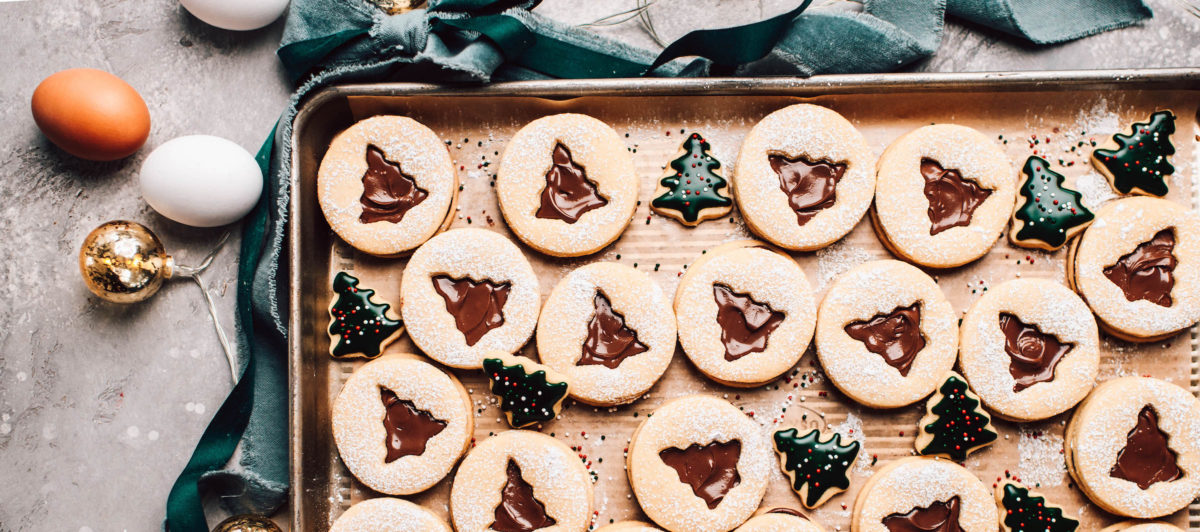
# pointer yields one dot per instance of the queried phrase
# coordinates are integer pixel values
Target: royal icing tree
(1139, 164)
(694, 186)
(530, 393)
(818, 469)
(357, 325)
(1051, 213)
(954, 424)
(1023, 510)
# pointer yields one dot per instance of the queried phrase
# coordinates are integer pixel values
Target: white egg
(201, 180)
(238, 15)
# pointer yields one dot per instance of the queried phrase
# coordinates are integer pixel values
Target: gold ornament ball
(247, 523)
(123, 262)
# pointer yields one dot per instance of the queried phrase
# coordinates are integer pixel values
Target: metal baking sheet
(1058, 114)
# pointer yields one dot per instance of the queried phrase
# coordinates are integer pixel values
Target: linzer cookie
(699, 463)
(1133, 447)
(944, 194)
(467, 293)
(779, 519)
(1140, 162)
(530, 394)
(745, 313)
(914, 494)
(385, 514)
(1135, 526)
(1030, 349)
(1138, 268)
(401, 424)
(566, 185)
(886, 334)
(804, 177)
(1023, 510)
(359, 326)
(1048, 213)
(693, 190)
(386, 185)
(519, 481)
(610, 329)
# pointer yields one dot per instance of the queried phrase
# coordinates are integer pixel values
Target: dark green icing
(1050, 210)
(527, 397)
(1141, 161)
(960, 424)
(359, 325)
(1029, 513)
(822, 465)
(695, 186)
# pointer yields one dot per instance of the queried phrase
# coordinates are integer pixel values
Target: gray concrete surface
(99, 404)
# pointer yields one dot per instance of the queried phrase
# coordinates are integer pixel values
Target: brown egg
(91, 114)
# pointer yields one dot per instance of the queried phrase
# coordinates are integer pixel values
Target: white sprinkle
(132, 431)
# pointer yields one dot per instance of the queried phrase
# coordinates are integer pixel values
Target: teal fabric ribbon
(342, 41)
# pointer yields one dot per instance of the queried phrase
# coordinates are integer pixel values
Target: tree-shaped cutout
(1140, 163)
(526, 397)
(568, 193)
(477, 306)
(1051, 212)
(1023, 510)
(939, 516)
(519, 510)
(1032, 354)
(954, 424)
(408, 428)
(1147, 272)
(745, 323)
(357, 325)
(609, 341)
(695, 184)
(388, 194)
(1146, 457)
(810, 186)
(710, 470)
(895, 336)
(952, 199)
(818, 469)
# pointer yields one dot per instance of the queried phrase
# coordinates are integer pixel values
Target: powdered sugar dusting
(1042, 462)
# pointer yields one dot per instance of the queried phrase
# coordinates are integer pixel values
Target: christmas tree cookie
(530, 393)
(1023, 510)
(1050, 213)
(359, 327)
(692, 192)
(954, 424)
(1139, 163)
(818, 467)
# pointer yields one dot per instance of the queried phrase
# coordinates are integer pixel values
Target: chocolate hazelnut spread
(408, 429)
(388, 194)
(745, 323)
(810, 186)
(477, 306)
(1146, 457)
(1148, 271)
(711, 470)
(952, 199)
(895, 336)
(519, 510)
(941, 516)
(609, 342)
(1033, 354)
(568, 193)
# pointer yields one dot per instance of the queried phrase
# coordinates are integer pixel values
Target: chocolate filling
(1146, 457)
(408, 429)
(568, 193)
(477, 306)
(609, 342)
(710, 470)
(810, 186)
(519, 510)
(1033, 354)
(952, 199)
(388, 194)
(745, 323)
(895, 336)
(1148, 271)
(937, 517)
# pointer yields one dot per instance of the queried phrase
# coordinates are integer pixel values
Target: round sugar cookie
(385, 514)
(521, 480)
(699, 464)
(779, 519)
(566, 185)
(926, 491)
(1133, 447)
(400, 424)
(386, 185)
(1138, 268)
(467, 293)
(629, 526)
(943, 196)
(745, 313)
(610, 329)
(805, 177)
(886, 334)
(1030, 349)
(1135, 526)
